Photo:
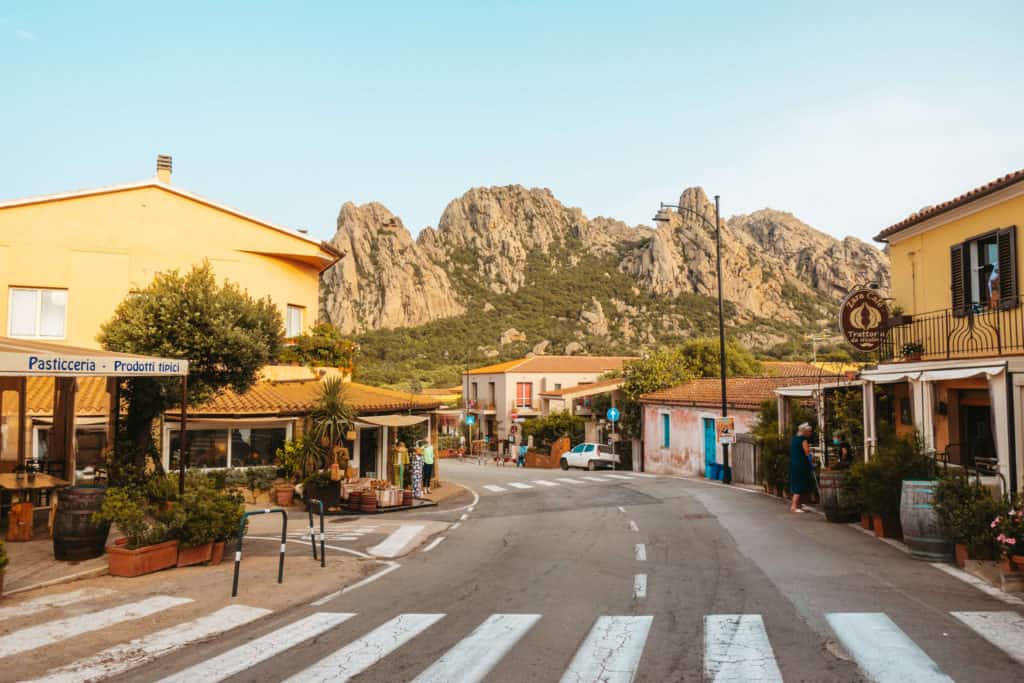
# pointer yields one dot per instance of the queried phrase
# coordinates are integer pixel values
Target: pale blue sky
(849, 118)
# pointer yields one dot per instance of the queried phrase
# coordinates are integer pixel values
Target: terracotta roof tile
(743, 392)
(965, 198)
(790, 369)
(298, 397)
(613, 383)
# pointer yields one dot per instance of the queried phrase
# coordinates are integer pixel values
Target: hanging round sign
(863, 319)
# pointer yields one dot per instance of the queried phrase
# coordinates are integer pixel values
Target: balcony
(946, 334)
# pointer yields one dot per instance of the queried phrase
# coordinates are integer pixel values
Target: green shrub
(774, 465)
(548, 429)
(130, 513)
(260, 478)
(300, 457)
(966, 510)
(234, 478)
(3, 556)
(161, 488)
(878, 483)
(219, 478)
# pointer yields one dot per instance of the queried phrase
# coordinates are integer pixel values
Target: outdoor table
(22, 486)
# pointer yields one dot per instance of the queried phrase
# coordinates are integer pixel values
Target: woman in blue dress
(800, 466)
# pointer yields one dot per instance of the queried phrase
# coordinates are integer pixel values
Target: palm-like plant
(332, 415)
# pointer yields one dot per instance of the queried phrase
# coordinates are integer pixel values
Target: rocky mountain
(511, 270)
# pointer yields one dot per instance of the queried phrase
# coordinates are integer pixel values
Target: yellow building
(67, 260)
(954, 354)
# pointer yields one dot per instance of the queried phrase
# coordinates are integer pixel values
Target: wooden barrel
(354, 500)
(833, 501)
(75, 536)
(368, 501)
(922, 531)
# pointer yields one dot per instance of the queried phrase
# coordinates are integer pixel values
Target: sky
(849, 115)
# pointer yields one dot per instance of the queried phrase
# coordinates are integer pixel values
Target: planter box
(217, 554)
(190, 556)
(151, 558)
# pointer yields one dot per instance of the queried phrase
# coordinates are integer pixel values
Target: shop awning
(393, 420)
(891, 377)
(28, 358)
(961, 373)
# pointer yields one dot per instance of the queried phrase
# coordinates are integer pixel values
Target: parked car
(589, 455)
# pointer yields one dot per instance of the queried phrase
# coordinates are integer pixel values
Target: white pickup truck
(589, 455)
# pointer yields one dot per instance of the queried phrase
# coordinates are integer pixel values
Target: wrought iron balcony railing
(978, 331)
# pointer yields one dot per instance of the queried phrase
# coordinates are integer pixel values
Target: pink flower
(1001, 537)
(1012, 541)
(995, 523)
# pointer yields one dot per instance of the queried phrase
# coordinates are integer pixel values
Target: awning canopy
(891, 377)
(961, 373)
(393, 420)
(29, 358)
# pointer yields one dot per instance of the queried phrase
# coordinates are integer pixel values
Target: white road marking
(433, 544)
(639, 586)
(542, 482)
(569, 480)
(622, 509)
(52, 632)
(736, 648)
(494, 488)
(393, 545)
(977, 583)
(633, 526)
(882, 650)
(617, 476)
(470, 508)
(464, 517)
(36, 605)
(1005, 630)
(644, 474)
(361, 654)
(455, 526)
(641, 552)
(516, 484)
(474, 656)
(391, 566)
(594, 479)
(244, 657)
(611, 653)
(135, 653)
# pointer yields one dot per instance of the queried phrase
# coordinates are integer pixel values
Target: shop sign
(75, 365)
(725, 430)
(863, 319)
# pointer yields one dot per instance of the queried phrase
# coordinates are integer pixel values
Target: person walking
(428, 465)
(416, 463)
(521, 462)
(800, 466)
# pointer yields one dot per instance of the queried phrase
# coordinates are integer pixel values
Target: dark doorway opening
(368, 440)
(976, 434)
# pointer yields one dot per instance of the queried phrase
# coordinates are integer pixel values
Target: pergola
(21, 359)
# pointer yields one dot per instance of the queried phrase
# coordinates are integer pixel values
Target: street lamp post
(726, 470)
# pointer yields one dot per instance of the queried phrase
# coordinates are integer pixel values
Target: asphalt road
(619, 579)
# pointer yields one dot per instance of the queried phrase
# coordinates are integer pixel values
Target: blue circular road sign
(612, 414)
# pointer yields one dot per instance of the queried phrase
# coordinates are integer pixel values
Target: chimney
(163, 168)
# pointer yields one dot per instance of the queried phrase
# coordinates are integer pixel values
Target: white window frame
(200, 425)
(39, 311)
(302, 319)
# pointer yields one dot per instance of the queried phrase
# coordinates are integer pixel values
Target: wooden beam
(22, 418)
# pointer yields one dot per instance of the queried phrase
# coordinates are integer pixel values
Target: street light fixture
(661, 217)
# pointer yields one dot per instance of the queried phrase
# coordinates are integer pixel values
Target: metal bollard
(241, 534)
(312, 535)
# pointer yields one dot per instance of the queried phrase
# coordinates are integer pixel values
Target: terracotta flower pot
(960, 550)
(145, 560)
(1006, 566)
(217, 554)
(866, 521)
(284, 494)
(197, 555)
(886, 528)
(1018, 561)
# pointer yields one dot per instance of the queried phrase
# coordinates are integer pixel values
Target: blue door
(710, 447)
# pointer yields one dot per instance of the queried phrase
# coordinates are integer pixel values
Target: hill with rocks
(511, 270)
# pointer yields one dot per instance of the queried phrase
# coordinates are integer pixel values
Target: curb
(87, 574)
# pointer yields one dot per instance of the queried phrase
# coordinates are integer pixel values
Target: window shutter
(1006, 242)
(958, 283)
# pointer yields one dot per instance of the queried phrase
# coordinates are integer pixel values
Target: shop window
(524, 394)
(983, 272)
(293, 321)
(37, 313)
(206, 447)
(91, 444)
(255, 447)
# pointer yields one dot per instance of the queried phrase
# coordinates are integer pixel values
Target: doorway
(368, 441)
(976, 433)
(710, 447)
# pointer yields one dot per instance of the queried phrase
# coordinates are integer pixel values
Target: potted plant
(228, 511)
(261, 479)
(912, 351)
(898, 317)
(298, 459)
(966, 510)
(879, 482)
(148, 546)
(1009, 534)
(3, 564)
(197, 528)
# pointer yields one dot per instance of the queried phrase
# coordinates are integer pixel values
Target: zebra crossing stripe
(641, 552)
(493, 488)
(52, 632)
(882, 650)
(617, 476)
(473, 658)
(639, 586)
(139, 651)
(544, 483)
(361, 654)
(736, 648)
(611, 652)
(252, 653)
(569, 480)
(517, 485)
(593, 479)
(36, 605)
(1005, 630)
